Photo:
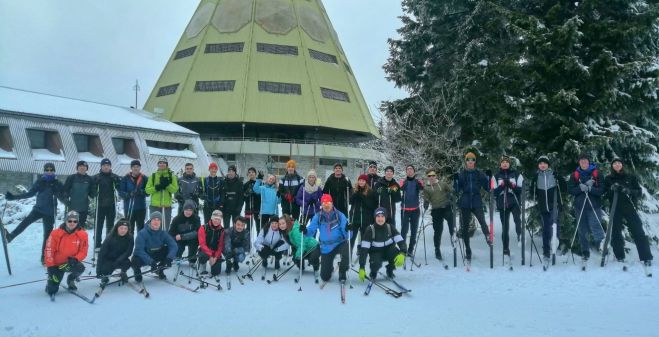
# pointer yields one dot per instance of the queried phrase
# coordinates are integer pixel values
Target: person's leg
(226, 220)
(55, 276)
(480, 216)
(414, 227)
(33, 216)
(112, 214)
(344, 264)
(504, 215)
(137, 264)
(547, 232)
(404, 224)
(582, 229)
(617, 240)
(327, 265)
(82, 219)
(635, 226)
(437, 226)
(465, 216)
(375, 263)
(517, 217)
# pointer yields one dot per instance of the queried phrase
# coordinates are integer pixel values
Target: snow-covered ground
(563, 301)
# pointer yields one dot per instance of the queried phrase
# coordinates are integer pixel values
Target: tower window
(276, 49)
(185, 53)
(214, 85)
(280, 88)
(335, 95)
(320, 56)
(167, 90)
(235, 47)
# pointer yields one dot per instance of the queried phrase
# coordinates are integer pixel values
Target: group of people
(318, 222)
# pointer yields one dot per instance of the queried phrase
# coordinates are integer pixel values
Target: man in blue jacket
(153, 247)
(132, 190)
(333, 238)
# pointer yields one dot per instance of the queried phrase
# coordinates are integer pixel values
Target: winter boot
(138, 278)
(71, 283)
(390, 272)
(202, 269)
(161, 274)
(438, 254)
(584, 263)
(410, 252)
(277, 264)
(124, 277)
(507, 261)
(623, 263)
(519, 240)
(235, 265)
(545, 262)
(647, 267)
(104, 281)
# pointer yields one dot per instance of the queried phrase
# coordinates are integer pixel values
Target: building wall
(8, 181)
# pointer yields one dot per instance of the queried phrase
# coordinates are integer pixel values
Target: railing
(280, 140)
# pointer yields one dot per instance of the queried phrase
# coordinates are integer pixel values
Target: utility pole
(136, 88)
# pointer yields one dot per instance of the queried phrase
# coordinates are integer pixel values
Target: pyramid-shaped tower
(262, 69)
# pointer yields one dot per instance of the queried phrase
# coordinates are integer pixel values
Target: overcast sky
(95, 50)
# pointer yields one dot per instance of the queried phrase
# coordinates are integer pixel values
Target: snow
(68, 108)
(525, 302)
(483, 63)
(45, 154)
(89, 157)
(7, 154)
(124, 159)
(172, 153)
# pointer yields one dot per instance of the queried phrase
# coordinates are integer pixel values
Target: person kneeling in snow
(153, 247)
(115, 251)
(310, 250)
(270, 242)
(211, 244)
(379, 243)
(184, 229)
(331, 224)
(237, 244)
(65, 248)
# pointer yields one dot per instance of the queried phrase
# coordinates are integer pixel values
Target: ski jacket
(149, 240)
(78, 189)
(61, 245)
(377, 238)
(236, 242)
(437, 195)
(340, 190)
(162, 198)
(189, 188)
(546, 185)
(508, 189)
(232, 195)
(211, 240)
(210, 188)
(388, 194)
(332, 229)
(626, 202)
(411, 189)
(47, 190)
(133, 191)
(187, 228)
(289, 185)
(309, 202)
(294, 237)
(372, 180)
(271, 238)
(469, 184)
(252, 199)
(106, 185)
(115, 249)
(362, 208)
(269, 198)
(580, 176)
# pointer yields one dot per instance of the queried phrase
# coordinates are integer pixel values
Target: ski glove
(584, 188)
(362, 274)
(399, 260)
(303, 229)
(625, 190)
(9, 196)
(260, 175)
(590, 183)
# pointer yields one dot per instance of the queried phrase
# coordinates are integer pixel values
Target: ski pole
(423, 227)
(301, 250)
(575, 232)
(3, 229)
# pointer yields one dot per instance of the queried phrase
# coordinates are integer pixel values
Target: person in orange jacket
(65, 248)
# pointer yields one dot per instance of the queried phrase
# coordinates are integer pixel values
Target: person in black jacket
(252, 201)
(232, 196)
(629, 190)
(379, 244)
(78, 190)
(184, 230)
(289, 185)
(388, 193)
(338, 186)
(47, 189)
(546, 189)
(236, 244)
(107, 184)
(372, 178)
(211, 191)
(363, 204)
(507, 193)
(132, 189)
(115, 252)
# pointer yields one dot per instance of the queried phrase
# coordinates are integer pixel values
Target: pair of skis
(76, 293)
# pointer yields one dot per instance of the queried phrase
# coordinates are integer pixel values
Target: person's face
(282, 224)
(471, 163)
(312, 180)
(189, 170)
(338, 171)
(432, 178)
(82, 169)
(543, 166)
(239, 226)
(409, 171)
(105, 168)
(250, 174)
(216, 222)
(617, 166)
(361, 182)
(122, 230)
(372, 170)
(188, 212)
(48, 172)
(328, 206)
(231, 174)
(584, 164)
(274, 225)
(389, 174)
(290, 170)
(162, 165)
(380, 219)
(213, 171)
(271, 179)
(505, 165)
(155, 224)
(135, 169)
(71, 224)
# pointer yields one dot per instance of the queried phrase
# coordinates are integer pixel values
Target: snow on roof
(51, 106)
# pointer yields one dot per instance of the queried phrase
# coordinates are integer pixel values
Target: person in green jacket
(161, 186)
(437, 194)
(310, 248)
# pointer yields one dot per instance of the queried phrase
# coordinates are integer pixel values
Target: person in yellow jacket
(161, 186)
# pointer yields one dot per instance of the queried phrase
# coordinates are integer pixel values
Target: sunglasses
(72, 221)
(471, 159)
(49, 170)
(431, 175)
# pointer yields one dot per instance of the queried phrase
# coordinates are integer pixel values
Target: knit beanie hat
(543, 159)
(155, 215)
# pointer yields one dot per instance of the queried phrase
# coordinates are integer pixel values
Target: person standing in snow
(269, 198)
(308, 197)
(270, 242)
(546, 187)
(160, 186)
(437, 194)
(115, 252)
(65, 249)
(372, 177)
(107, 184)
(153, 247)
(411, 189)
(237, 244)
(507, 193)
(132, 189)
(388, 193)
(363, 202)
(189, 188)
(211, 244)
(184, 230)
(79, 188)
(289, 185)
(379, 245)
(232, 196)
(338, 186)
(211, 186)
(252, 200)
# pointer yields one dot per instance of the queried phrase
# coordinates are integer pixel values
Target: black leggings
(48, 221)
(377, 257)
(105, 215)
(635, 226)
(504, 215)
(327, 263)
(465, 216)
(438, 216)
(56, 273)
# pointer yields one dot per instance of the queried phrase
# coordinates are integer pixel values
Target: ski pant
(192, 246)
(378, 256)
(229, 217)
(216, 269)
(312, 256)
(136, 220)
(233, 261)
(504, 215)
(82, 219)
(548, 232)
(208, 211)
(635, 226)
(166, 216)
(353, 234)
(256, 220)
(590, 220)
(47, 220)
(265, 218)
(465, 216)
(158, 256)
(409, 218)
(327, 263)
(266, 252)
(104, 215)
(438, 216)
(291, 209)
(108, 267)
(56, 273)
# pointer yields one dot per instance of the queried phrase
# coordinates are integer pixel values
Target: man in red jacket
(211, 244)
(65, 248)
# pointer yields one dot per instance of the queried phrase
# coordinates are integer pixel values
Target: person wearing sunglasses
(437, 194)
(47, 189)
(66, 247)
